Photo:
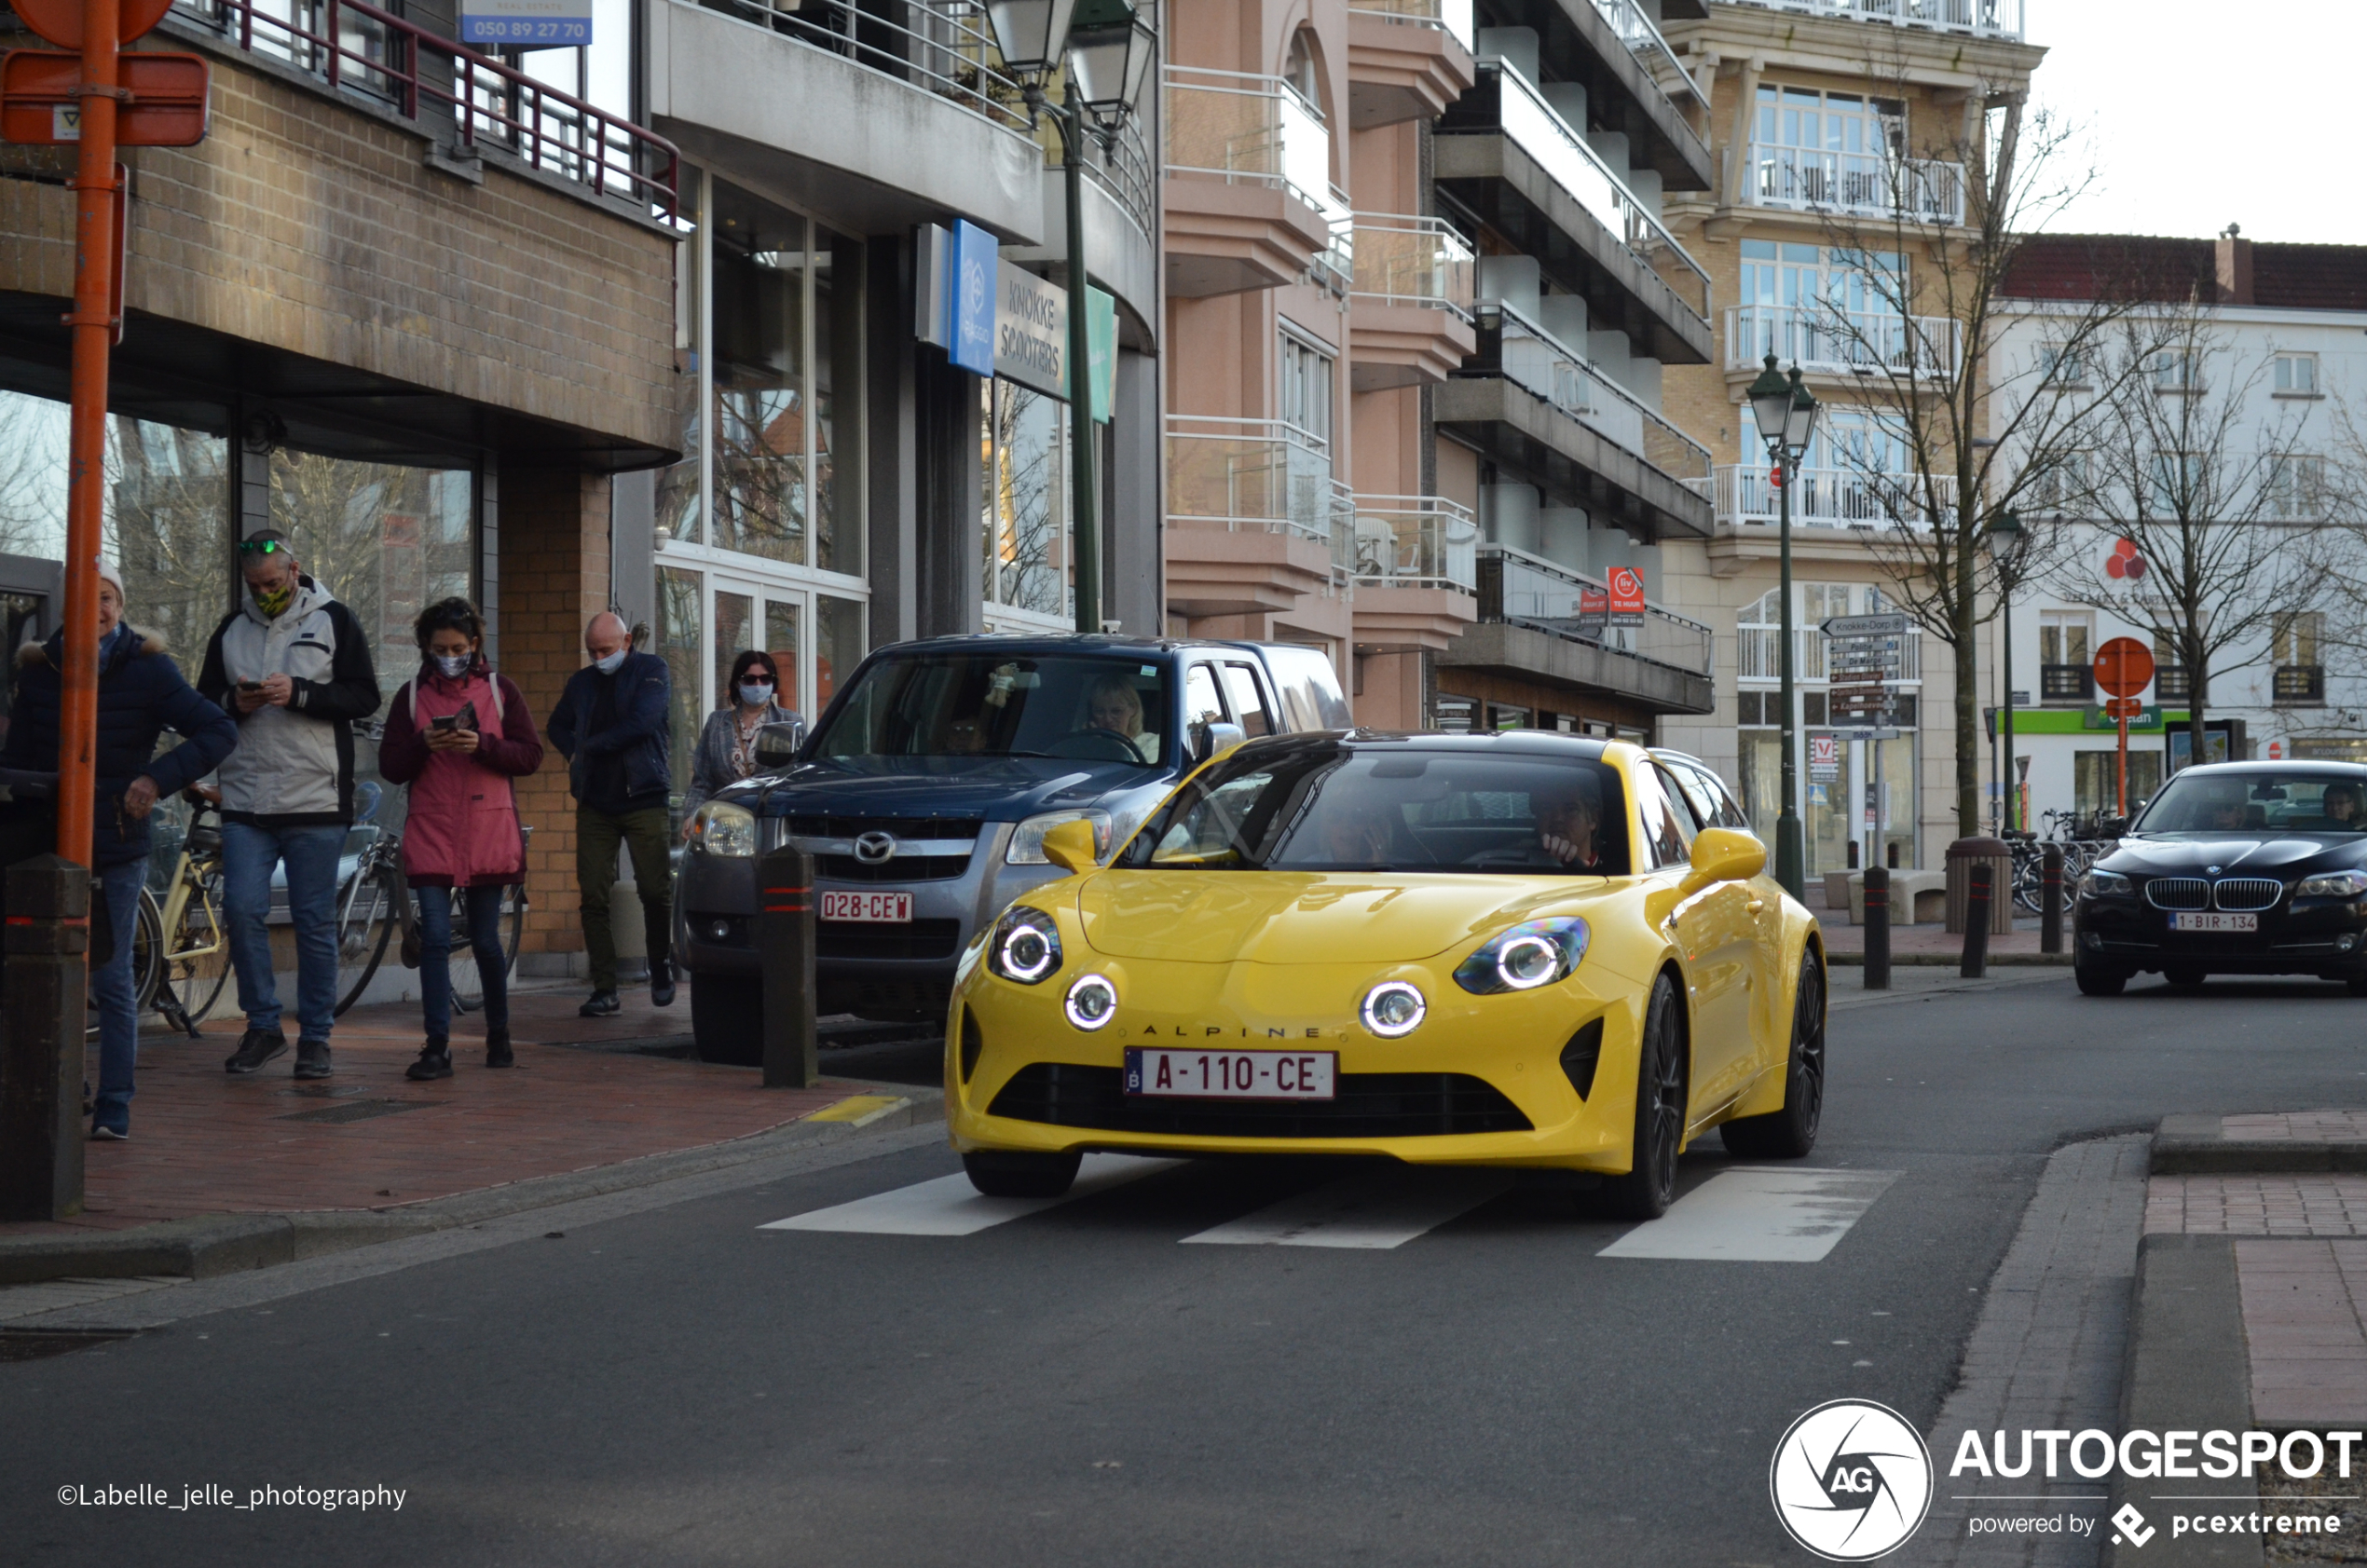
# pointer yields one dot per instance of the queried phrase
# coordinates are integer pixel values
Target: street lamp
(2005, 537)
(1785, 413)
(1108, 47)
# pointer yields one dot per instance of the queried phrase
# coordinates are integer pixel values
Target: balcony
(1503, 152)
(1635, 29)
(2173, 684)
(1759, 653)
(1248, 197)
(1981, 19)
(1407, 60)
(1417, 572)
(1410, 312)
(1538, 619)
(2300, 686)
(1823, 340)
(1825, 498)
(2066, 683)
(1863, 185)
(1254, 517)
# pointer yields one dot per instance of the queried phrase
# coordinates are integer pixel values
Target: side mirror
(776, 744)
(1070, 846)
(1212, 739)
(1722, 854)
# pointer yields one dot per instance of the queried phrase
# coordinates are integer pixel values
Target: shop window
(1025, 469)
(735, 635)
(838, 643)
(781, 641)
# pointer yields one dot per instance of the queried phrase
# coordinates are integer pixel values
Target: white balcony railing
(1564, 155)
(1413, 261)
(1260, 130)
(1451, 17)
(1255, 476)
(1416, 541)
(1759, 654)
(1983, 19)
(1644, 41)
(1869, 184)
(1545, 365)
(1840, 341)
(1527, 590)
(1824, 498)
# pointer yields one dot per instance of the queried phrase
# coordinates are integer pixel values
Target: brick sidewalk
(204, 1142)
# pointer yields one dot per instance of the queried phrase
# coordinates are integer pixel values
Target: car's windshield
(2256, 803)
(987, 703)
(1334, 808)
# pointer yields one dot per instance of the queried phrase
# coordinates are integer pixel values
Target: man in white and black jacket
(291, 665)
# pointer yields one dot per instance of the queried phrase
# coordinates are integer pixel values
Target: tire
(2184, 977)
(1791, 1133)
(366, 915)
(2029, 886)
(1002, 1175)
(2357, 982)
(192, 986)
(727, 1018)
(2098, 982)
(468, 977)
(1658, 1136)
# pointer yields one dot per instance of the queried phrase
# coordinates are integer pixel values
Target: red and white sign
(2276, 750)
(1627, 596)
(1824, 751)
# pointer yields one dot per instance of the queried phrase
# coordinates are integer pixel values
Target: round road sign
(2124, 666)
(60, 20)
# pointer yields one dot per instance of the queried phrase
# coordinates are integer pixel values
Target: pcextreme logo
(1851, 1480)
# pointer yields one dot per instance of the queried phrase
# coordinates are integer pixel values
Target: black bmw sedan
(2235, 869)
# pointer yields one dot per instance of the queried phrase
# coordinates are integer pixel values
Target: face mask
(454, 665)
(272, 600)
(611, 664)
(756, 694)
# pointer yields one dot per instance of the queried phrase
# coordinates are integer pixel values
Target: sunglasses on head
(260, 547)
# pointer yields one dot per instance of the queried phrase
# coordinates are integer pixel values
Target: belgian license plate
(2214, 921)
(1231, 1074)
(889, 909)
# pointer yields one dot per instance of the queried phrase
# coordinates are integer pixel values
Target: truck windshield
(985, 703)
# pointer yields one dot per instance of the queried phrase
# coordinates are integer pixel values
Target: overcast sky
(2202, 114)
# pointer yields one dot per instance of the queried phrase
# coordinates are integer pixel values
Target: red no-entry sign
(2123, 667)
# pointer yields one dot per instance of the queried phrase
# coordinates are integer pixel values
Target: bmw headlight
(1091, 1003)
(1027, 844)
(720, 828)
(1532, 954)
(1024, 945)
(1393, 1009)
(2107, 884)
(2332, 885)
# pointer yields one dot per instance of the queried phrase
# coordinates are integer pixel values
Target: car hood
(997, 788)
(2234, 855)
(1285, 917)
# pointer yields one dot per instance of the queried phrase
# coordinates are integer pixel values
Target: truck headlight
(1027, 844)
(720, 828)
(2332, 885)
(1024, 945)
(1532, 954)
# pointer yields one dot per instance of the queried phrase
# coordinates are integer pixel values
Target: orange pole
(94, 261)
(2124, 757)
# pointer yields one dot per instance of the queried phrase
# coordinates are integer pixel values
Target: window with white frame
(1827, 147)
(2295, 487)
(2175, 481)
(2295, 639)
(1812, 303)
(2066, 365)
(2065, 481)
(2177, 370)
(2066, 648)
(1304, 394)
(2296, 375)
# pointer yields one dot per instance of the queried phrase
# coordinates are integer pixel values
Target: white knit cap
(108, 573)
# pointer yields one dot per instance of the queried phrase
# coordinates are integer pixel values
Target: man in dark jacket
(610, 724)
(292, 666)
(141, 694)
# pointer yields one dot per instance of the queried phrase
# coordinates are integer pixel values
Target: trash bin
(1963, 855)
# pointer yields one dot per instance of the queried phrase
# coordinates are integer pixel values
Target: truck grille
(2242, 893)
(2178, 892)
(1370, 1105)
(903, 828)
(916, 940)
(903, 868)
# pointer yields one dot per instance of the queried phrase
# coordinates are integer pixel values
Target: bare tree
(1948, 438)
(2220, 505)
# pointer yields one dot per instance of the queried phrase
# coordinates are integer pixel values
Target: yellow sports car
(1514, 949)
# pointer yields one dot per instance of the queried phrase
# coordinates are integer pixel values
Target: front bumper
(2323, 937)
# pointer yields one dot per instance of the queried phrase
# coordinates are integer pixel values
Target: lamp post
(1108, 49)
(2004, 539)
(1785, 413)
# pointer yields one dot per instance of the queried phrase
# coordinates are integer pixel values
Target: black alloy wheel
(1650, 1185)
(2098, 982)
(1004, 1174)
(1791, 1133)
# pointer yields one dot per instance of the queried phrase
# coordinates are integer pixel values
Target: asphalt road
(1074, 1387)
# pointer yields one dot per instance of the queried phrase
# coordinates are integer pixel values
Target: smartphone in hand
(444, 721)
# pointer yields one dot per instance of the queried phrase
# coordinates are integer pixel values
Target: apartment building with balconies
(1842, 136)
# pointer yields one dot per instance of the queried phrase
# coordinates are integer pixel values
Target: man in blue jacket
(141, 694)
(610, 724)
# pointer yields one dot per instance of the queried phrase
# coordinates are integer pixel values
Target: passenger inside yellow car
(1116, 706)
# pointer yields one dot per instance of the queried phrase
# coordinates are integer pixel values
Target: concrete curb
(2187, 1370)
(208, 1245)
(2192, 1146)
(1952, 961)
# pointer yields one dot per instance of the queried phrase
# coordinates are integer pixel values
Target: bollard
(2050, 898)
(1978, 892)
(1878, 928)
(41, 1027)
(785, 942)
(1892, 861)
(1853, 854)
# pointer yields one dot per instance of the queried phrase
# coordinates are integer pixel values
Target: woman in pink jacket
(457, 734)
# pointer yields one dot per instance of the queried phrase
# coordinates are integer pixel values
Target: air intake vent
(1579, 1057)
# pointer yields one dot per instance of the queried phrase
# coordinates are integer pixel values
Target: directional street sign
(1864, 626)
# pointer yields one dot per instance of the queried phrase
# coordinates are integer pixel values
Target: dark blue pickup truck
(924, 792)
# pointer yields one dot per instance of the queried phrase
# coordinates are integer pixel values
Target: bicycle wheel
(197, 959)
(2029, 884)
(468, 978)
(147, 943)
(368, 915)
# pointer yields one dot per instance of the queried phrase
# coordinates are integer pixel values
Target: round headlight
(1092, 1002)
(1527, 962)
(1393, 1009)
(1027, 953)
